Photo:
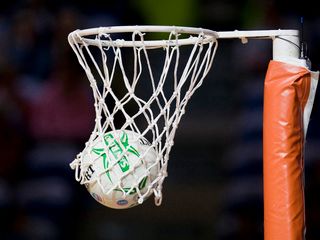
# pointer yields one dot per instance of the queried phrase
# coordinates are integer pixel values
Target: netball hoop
(142, 78)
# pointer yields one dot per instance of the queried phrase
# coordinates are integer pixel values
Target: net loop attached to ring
(142, 84)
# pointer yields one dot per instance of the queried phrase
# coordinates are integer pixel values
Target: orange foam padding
(285, 95)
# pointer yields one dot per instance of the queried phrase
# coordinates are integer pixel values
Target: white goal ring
(87, 36)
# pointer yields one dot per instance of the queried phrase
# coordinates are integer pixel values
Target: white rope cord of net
(140, 87)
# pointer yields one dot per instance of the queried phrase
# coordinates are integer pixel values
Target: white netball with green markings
(121, 166)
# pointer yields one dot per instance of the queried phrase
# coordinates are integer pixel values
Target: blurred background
(214, 188)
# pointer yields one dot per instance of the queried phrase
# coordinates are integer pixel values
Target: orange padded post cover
(285, 95)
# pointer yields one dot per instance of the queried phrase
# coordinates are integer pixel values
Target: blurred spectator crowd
(46, 115)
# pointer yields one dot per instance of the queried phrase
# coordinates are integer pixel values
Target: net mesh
(141, 87)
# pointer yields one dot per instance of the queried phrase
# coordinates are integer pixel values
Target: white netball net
(141, 84)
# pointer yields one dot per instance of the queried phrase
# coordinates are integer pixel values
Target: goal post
(289, 91)
(287, 96)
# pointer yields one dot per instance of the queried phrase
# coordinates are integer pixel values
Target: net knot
(140, 200)
(119, 42)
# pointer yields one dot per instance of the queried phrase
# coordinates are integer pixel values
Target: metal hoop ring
(87, 35)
